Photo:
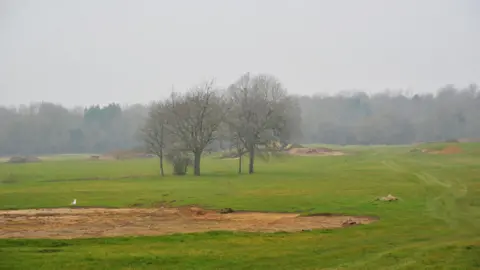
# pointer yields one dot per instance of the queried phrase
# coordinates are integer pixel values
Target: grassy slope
(435, 224)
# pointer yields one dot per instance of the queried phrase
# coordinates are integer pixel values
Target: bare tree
(236, 141)
(194, 118)
(259, 114)
(154, 134)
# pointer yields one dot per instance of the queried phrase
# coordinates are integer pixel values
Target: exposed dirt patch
(320, 151)
(451, 149)
(66, 223)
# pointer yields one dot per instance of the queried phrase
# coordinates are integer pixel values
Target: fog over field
(338, 58)
(239, 134)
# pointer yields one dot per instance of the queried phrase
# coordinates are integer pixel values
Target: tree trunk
(162, 173)
(196, 162)
(252, 159)
(240, 163)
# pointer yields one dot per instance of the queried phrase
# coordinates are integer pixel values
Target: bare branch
(260, 109)
(194, 118)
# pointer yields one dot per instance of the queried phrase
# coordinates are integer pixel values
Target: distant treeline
(356, 118)
(388, 118)
(47, 128)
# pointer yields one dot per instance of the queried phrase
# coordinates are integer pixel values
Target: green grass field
(434, 225)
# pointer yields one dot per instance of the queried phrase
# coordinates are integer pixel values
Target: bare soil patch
(319, 151)
(450, 149)
(67, 223)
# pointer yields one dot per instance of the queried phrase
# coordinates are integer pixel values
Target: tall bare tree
(194, 118)
(154, 134)
(259, 114)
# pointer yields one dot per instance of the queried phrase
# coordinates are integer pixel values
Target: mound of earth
(388, 198)
(23, 159)
(319, 151)
(67, 223)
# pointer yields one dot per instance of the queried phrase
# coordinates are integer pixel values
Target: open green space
(435, 224)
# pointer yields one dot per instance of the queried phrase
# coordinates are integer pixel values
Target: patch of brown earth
(451, 149)
(320, 151)
(67, 223)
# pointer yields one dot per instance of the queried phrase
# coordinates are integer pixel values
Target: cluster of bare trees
(245, 118)
(255, 115)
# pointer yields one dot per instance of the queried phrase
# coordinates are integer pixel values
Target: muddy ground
(66, 223)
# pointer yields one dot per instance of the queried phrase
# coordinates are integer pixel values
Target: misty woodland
(253, 114)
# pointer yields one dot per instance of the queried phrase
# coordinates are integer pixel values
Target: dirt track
(65, 223)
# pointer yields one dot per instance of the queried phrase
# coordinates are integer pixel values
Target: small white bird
(74, 202)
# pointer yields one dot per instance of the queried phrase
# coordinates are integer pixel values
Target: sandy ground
(66, 223)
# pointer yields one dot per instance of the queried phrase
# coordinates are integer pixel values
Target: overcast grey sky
(99, 51)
